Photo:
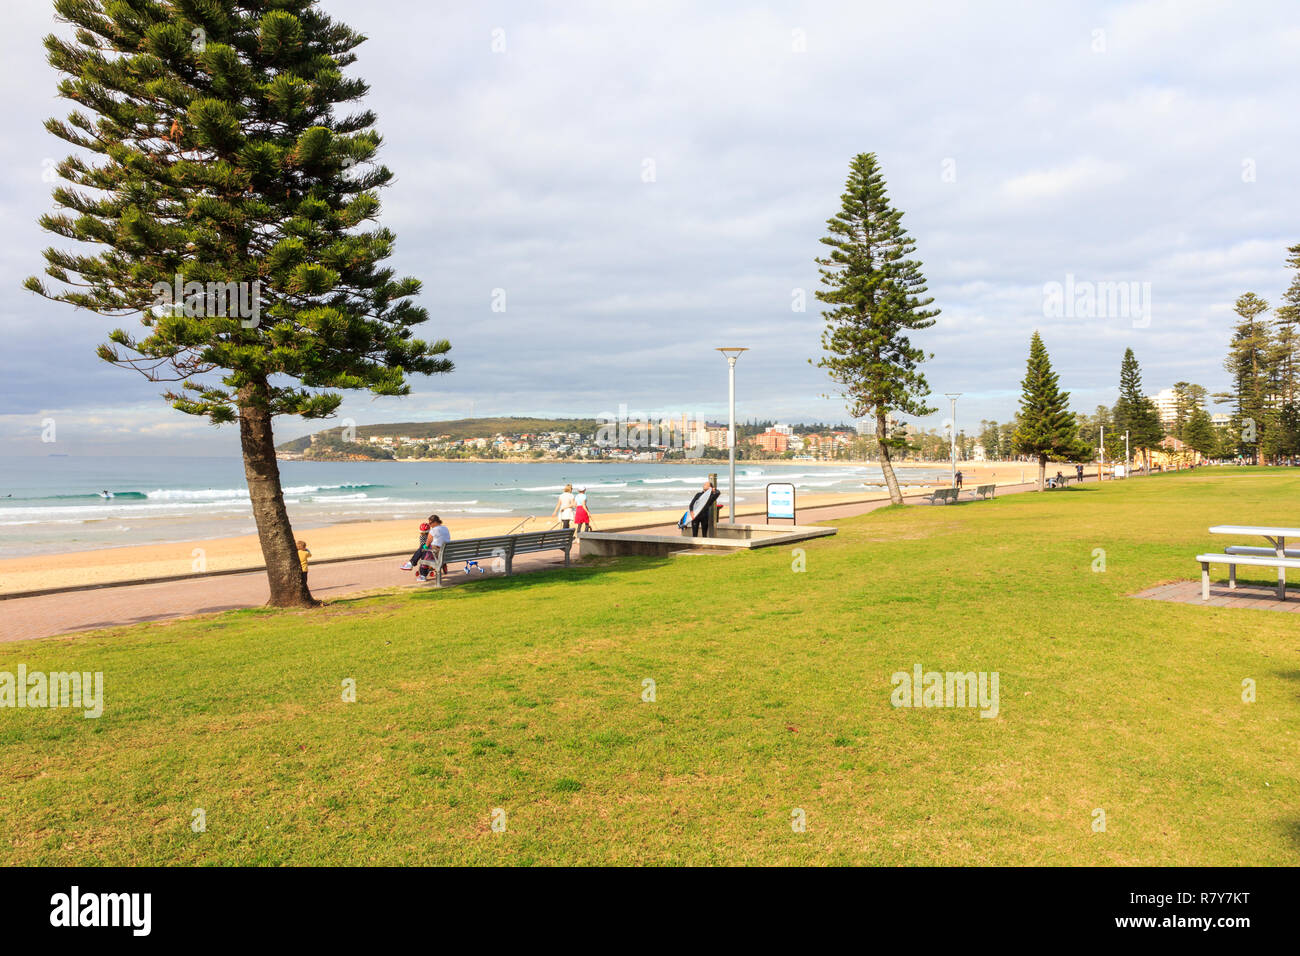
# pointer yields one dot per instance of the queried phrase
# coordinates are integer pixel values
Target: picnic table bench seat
(1264, 552)
(1233, 560)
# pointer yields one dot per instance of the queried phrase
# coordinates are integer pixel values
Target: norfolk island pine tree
(1247, 363)
(1134, 412)
(216, 157)
(1198, 433)
(1045, 428)
(878, 296)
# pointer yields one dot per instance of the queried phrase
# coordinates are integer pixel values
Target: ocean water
(56, 504)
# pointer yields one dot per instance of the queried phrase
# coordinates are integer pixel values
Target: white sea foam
(221, 494)
(556, 489)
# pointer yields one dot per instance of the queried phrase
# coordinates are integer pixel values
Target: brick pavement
(1259, 596)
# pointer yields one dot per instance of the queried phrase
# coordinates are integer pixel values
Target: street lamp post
(952, 397)
(732, 353)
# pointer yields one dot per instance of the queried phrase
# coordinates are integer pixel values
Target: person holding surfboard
(699, 511)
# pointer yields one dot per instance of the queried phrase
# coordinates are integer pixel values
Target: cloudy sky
(641, 182)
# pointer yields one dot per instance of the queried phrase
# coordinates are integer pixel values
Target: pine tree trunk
(882, 438)
(1042, 472)
(283, 572)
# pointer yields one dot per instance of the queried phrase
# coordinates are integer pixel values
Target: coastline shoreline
(328, 542)
(720, 463)
(360, 537)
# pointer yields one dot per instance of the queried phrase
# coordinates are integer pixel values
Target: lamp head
(732, 353)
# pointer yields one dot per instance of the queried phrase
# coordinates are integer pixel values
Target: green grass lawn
(772, 694)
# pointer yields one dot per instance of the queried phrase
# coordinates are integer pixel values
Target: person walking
(958, 476)
(581, 514)
(1078, 473)
(565, 506)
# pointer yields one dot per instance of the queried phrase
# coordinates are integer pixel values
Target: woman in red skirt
(581, 516)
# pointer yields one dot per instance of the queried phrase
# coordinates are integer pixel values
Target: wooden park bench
(499, 548)
(984, 492)
(942, 494)
(1250, 560)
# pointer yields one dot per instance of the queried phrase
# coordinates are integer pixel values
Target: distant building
(1166, 403)
(1173, 454)
(773, 441)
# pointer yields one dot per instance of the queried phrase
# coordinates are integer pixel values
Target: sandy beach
(363, 538)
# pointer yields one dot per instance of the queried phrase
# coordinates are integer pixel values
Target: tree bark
(1042, 472)
(279, 550)
(882, 438)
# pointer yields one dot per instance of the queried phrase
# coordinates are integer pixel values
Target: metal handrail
(522, 523)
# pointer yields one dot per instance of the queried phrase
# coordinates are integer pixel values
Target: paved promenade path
(50, 614)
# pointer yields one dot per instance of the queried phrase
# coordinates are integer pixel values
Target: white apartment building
(1166, 402)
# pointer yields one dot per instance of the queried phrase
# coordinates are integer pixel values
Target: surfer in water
(106, 494)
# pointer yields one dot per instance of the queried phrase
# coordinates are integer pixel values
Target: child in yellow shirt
(303, 556)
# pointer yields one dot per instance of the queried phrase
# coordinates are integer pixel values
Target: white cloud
(1082, 175)
(522, 171)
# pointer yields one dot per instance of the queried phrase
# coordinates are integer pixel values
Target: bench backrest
(543, 541)
(470, 549)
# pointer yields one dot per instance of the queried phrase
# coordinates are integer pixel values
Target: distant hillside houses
(625, 439)
(630, 441)
(783, 439)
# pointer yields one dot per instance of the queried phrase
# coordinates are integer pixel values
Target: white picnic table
(1275, 535)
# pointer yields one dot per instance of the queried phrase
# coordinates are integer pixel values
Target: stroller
(427, 566)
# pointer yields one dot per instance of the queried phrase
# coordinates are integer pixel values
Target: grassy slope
(773, 693)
